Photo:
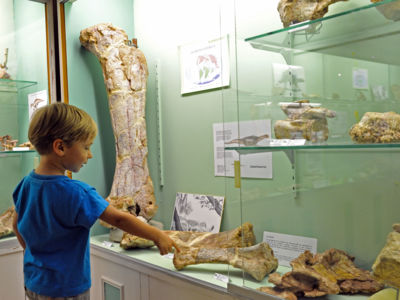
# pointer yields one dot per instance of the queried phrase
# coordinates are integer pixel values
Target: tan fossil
(125, 76)
(295, 11)
(386, 267)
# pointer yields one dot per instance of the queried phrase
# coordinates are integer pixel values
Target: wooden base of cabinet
(11, 270)
(142, 281)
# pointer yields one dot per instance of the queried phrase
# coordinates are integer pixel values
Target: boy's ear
(58, 147)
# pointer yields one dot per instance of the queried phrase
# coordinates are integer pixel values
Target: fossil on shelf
(376, 127)
(295, 11)
(304, 122)
(6, 220)
(330, 272)
(125, 76)
(3, 67)
(7, 143)
(242, 236)
(386, 267)
(257, 260)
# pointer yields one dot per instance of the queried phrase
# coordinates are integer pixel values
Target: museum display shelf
(203, 275)
(343, 34)
(311, 146)
(10, 85)
(10, 152)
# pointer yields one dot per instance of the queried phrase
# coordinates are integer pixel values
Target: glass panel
(327, 186)
(23, 70)
(111, 292)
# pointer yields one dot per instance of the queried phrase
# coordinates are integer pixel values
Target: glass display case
(23, 73)
(301, 94)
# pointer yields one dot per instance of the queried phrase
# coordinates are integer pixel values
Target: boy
(55, 213)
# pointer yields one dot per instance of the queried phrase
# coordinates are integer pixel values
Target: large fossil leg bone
(257, 260)
(125, 75)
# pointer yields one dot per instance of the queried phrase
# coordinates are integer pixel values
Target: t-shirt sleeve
(91, 206)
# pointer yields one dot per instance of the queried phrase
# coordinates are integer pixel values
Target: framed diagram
(194, 212)
(204, 65)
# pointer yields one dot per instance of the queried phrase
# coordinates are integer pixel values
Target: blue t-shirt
(55, 214)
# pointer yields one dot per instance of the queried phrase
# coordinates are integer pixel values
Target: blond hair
(59, 121)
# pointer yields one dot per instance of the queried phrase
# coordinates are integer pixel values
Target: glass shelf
(2, 153)
(8, 84)
(310, 146)
(376, 40)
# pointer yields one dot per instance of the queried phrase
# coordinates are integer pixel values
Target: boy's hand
(165, 244)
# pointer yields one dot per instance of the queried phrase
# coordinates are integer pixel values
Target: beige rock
(376, 127)
(295, 11)
(386, 267)
(6, 220)
(330, 272)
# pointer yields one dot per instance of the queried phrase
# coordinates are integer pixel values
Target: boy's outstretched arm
(15, 228)
(133, 225)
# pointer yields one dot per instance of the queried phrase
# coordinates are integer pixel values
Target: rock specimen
(242, 236)
(7, 143)
(386, 267)
(376, 127)
(277, 292)
(257, 260)
(6, 220)
(330, 272)
(304, 122)
(295, 11)
(125, 76)
(3, 67)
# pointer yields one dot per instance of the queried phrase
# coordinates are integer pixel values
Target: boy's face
(77, 155)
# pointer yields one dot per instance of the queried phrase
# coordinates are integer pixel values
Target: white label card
(169, 256)
(288, 247)
(221, 277)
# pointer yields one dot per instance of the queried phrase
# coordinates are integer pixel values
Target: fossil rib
(125, 75)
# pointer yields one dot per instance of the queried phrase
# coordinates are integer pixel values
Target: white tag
(20, 148)
(108, 244)
(287, 142)
(288, 247)
(169, 256)
(221, 277)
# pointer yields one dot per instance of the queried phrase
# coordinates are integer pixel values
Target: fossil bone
(304, 122)
(125, 76)
(330, 272)
(257, 260)
(242, 236)
(6, 220)
(295, 11)
(376, 127)
(386, 267)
